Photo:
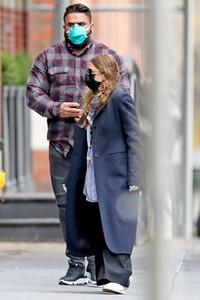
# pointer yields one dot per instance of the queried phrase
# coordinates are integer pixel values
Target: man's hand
(70, 110)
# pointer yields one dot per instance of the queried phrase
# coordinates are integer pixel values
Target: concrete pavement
(30, 271)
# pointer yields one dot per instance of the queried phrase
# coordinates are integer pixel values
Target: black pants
(110, 267)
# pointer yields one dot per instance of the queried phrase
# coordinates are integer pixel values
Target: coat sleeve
(78, 157)
(130, 125)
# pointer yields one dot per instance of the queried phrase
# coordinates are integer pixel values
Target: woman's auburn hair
(107, 65)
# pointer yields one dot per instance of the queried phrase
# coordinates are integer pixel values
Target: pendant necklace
(89, 143)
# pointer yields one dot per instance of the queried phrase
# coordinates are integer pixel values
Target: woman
(105, 177)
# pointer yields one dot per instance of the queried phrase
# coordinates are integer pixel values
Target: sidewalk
(30, 271)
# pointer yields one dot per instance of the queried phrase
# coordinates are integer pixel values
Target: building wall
(197, 79)
(13, 36)
(14, 26)
(121, 30)
(0, 103)
(41, 23)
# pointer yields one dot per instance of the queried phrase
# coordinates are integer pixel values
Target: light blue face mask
(77, 34)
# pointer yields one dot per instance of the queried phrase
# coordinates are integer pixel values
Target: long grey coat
(117, 152)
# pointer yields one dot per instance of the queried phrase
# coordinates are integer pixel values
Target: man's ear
(92, 26)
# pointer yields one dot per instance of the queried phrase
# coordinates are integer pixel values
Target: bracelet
(133, 188)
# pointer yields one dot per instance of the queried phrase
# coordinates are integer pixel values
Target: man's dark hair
(78, 8)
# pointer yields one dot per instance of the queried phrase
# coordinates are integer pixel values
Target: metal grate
(16, 137)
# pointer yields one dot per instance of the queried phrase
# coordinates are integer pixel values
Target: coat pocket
(116, 153)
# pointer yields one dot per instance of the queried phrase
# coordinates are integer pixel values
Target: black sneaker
(90, 272)
(75, 275)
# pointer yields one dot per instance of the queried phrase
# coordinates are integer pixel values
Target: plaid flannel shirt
(57, 75)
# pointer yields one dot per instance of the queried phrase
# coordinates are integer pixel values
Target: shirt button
(95, 141)
(96, 155)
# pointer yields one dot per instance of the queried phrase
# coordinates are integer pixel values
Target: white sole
(114, 288)
(91, 282)
(80, 281)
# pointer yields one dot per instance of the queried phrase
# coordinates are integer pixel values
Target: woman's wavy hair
(107, 65)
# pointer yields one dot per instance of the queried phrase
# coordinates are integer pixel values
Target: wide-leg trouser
(110, 267)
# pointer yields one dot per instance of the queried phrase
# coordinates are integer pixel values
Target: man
(54, 87)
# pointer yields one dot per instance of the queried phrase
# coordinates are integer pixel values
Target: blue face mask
(77, 34)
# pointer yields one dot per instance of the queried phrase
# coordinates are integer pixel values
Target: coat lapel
(103, 106)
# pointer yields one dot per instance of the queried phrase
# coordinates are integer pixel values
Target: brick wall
(13, 35)
(41, 24)
(14, 27)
